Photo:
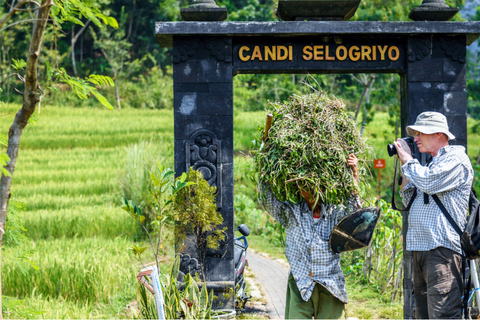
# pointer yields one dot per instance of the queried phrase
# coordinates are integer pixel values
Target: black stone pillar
(435, 81)
(203, 115)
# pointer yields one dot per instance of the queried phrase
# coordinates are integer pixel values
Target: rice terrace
(135, 138)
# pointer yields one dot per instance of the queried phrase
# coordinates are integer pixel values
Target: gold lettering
(307, 53)
(256, 53)
(280, 55)
(327, 57)
(374, 53)
(397, 53)
(240, 53)
(272, 53)
(354, 53)
(366, 51)
(382, 51)
(317, 53)
(340, 56)
(290, 53)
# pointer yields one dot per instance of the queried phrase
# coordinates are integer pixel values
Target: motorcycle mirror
(243, 229)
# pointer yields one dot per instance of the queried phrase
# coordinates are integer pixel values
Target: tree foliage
(28, 84)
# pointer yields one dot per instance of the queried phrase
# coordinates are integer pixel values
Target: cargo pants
(438, 284)
(321, 305)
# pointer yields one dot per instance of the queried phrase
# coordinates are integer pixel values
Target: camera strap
(414, 195)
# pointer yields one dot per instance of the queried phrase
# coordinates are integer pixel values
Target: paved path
(272, 277)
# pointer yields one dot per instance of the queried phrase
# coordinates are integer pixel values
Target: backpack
(470, 237)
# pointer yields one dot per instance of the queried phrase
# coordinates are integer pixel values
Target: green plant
(195, 213)
(184, 299)
(137, 183)
(16, 235)
(275, 233)
(246, 212)
(14, 308)
(186, 203)
(379, 264)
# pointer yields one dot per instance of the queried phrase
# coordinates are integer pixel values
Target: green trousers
(321, 305)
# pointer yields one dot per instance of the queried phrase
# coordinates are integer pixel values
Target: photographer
(316, 284)
(437, 261)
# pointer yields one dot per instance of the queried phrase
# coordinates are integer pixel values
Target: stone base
(316, 10)
(203, 14)
(432, 13)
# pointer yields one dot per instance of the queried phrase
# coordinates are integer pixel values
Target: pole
(154, 287)
(157, 288)
(474, 275)
(379, 182)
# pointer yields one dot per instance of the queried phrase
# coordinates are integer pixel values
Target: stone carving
(419, 49)
(203, 154)
(221, 49)
(454, 48)
(189, 265)
(181, 52)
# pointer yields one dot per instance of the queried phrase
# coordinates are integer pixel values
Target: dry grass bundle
(309, 142)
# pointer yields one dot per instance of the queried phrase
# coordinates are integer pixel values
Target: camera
(393, 151)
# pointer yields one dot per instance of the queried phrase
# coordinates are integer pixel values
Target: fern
(69, 10)
(100, 80)
(3, 140)
(83, 88)
(4, 159)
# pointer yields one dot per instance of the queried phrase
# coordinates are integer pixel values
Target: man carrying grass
(316, 284)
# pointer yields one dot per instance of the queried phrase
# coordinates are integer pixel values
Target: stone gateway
(428, 56)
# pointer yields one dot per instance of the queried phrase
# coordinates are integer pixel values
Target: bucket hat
(430, 122)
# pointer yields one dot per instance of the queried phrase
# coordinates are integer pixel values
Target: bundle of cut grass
(307, 147)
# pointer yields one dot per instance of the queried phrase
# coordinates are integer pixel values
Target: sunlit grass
(88, 269)
(79, 222)
(68, 173)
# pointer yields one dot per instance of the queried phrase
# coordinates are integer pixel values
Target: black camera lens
(391, 150)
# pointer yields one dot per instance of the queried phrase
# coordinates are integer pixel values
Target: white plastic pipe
(474, 275)
(157, 289)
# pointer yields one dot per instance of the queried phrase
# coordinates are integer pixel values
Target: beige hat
(430, 122)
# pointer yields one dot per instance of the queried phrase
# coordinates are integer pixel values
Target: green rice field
(68, 174)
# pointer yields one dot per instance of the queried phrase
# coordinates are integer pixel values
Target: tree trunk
(74, 41)
(130, 25)
(367, 82)
(117, 93)
(31, 97)
(367, 101)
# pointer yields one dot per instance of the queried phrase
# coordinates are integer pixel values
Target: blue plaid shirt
(450, 177)
(307, 248)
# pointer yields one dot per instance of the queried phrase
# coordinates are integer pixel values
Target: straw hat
(430, 122)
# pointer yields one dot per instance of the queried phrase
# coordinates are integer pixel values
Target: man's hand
(403, 150)
(352, 162)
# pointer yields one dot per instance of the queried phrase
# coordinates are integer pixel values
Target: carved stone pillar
(203, 115)
(435, 81)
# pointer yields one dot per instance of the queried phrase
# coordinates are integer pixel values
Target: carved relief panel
(204, 154)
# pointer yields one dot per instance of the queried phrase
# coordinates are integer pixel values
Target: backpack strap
(447, 215)
(465, 268)
(394, 206)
